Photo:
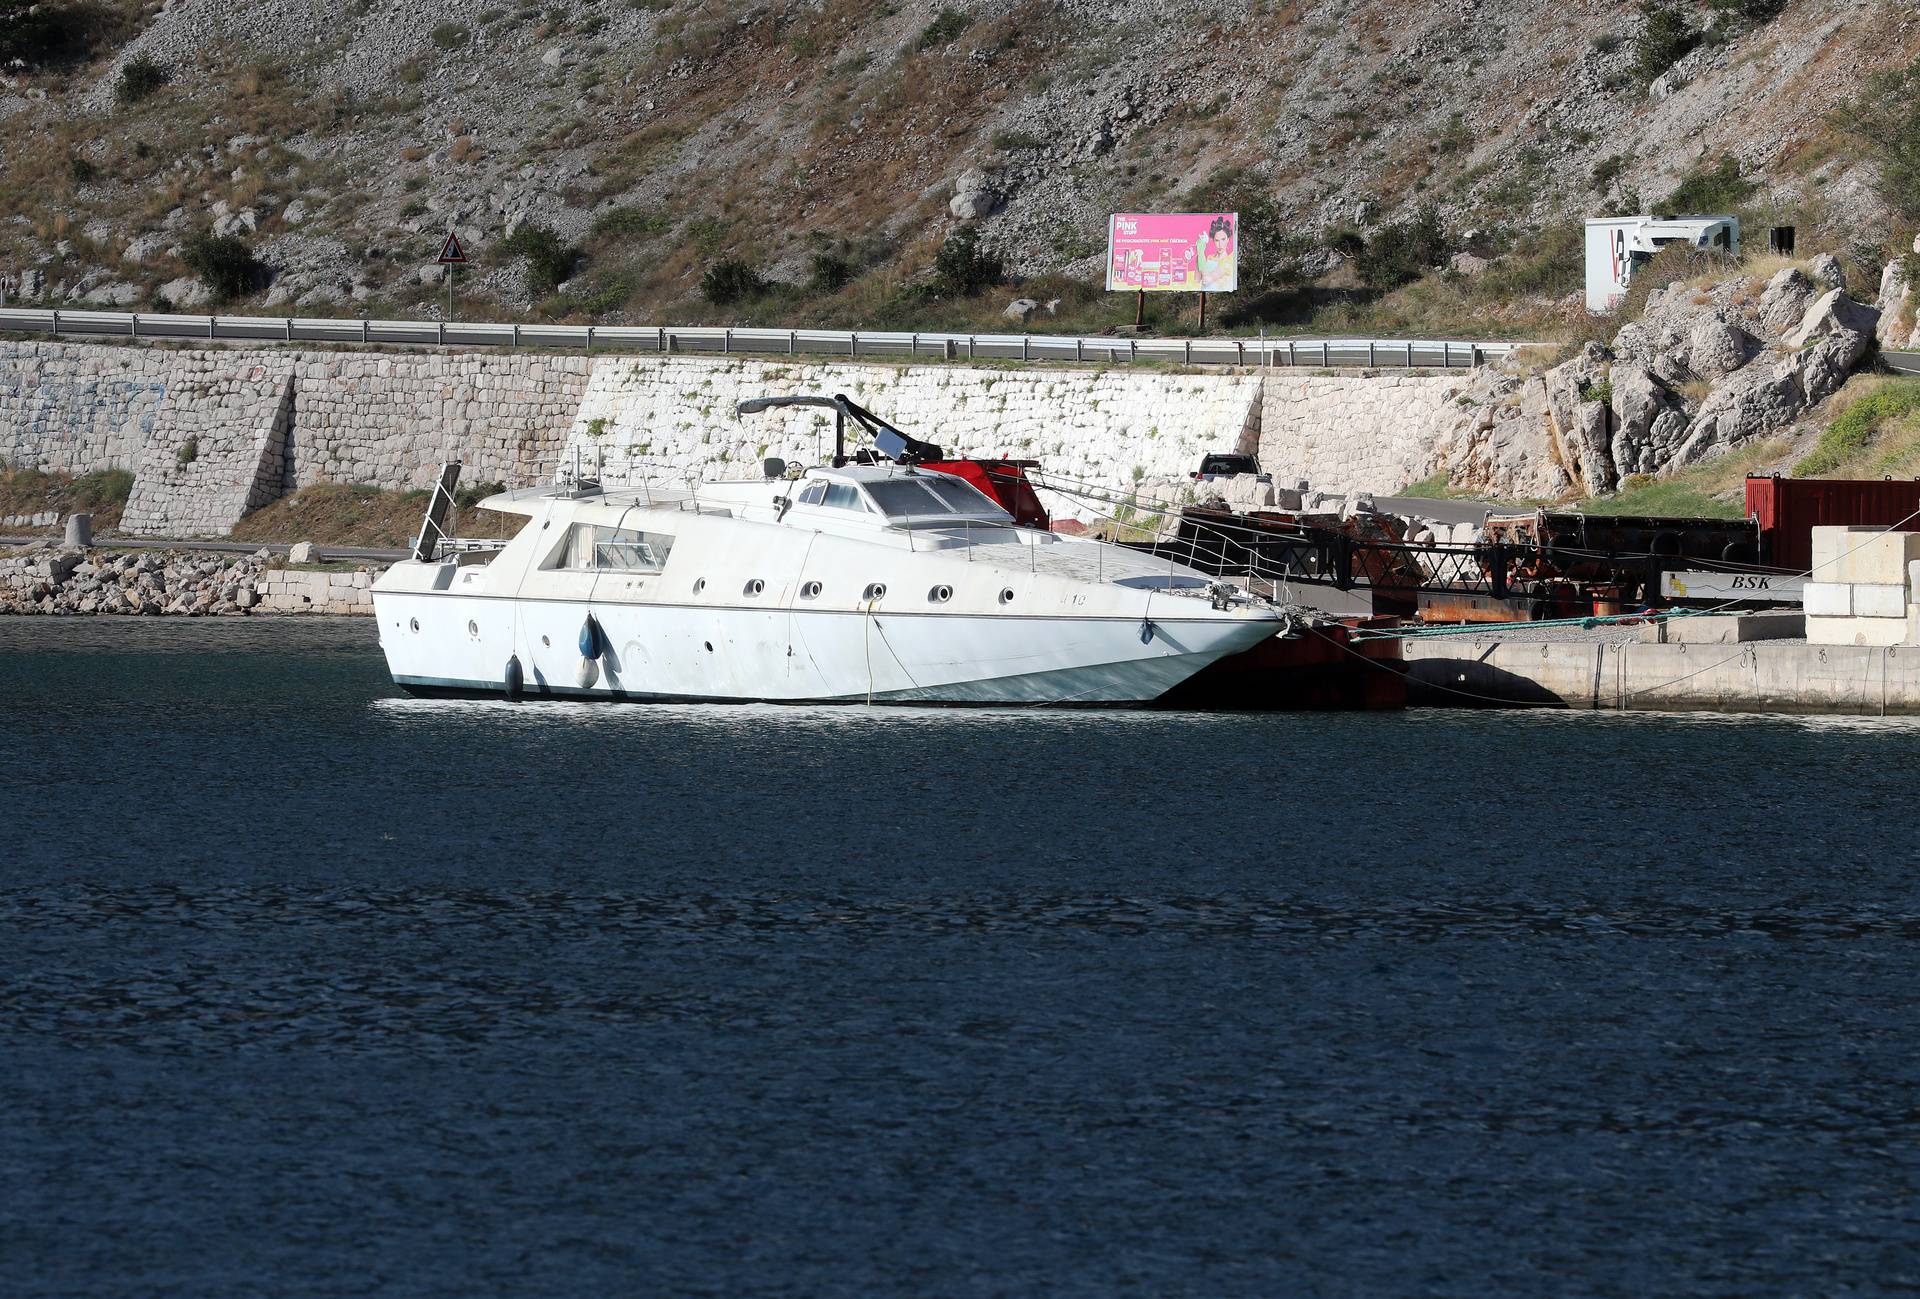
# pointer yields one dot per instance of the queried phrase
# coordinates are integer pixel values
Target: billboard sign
(1173, 252)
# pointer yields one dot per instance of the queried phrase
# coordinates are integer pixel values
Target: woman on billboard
(1216, 253)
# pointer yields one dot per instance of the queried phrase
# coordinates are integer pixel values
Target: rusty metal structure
(1540, 564)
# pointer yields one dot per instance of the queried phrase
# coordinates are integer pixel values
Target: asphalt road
(1902, 362)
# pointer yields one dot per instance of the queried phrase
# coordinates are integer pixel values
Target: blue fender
(591, 639)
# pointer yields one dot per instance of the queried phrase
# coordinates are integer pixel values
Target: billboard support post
(1140, 310)
(1203, 309)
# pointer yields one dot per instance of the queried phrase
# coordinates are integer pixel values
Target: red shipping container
(1789, 509)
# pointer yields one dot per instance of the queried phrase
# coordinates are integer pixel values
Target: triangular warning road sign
(450, 251)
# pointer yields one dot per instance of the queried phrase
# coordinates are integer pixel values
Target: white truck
(1617, 246)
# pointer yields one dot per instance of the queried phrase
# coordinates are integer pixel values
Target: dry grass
(355, 514)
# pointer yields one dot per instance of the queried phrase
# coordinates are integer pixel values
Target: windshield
(902, 497)
(962, 497)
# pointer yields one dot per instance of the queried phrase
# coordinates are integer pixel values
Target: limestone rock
(1020, 308)
(1832, 314)
(1648, 420)
(143, 247)
(1823, 365)
(974, 196)
(433, 273)
(554, 57)
(1466, 264)
(1582, 422)
(187, 291)
(115, 294)
(1716, 348)
(295, 213)
(243, 222)
(1827, 272)
(302, 552)
(1750, 403)
(1785, 300)
(1891, 303)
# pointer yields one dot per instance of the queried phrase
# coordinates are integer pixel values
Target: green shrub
(1014, 141)
(964, 266)
(50, 32)
(830, 272)
(1601, 392)
(1752, 12)
(471, 495)
(1721, 189)
(944, 29)
(631, 222)
(140, 77)
(1403, 252)
(450, 35)
(550, 263)
(188, 453)
(102, 487)
(1856, 426)
(224, 262)
(82, 170)
(707, 235)
(1665, 38)
(1606, 170)
(731, 280)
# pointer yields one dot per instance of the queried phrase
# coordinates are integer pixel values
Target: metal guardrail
(1323, 353)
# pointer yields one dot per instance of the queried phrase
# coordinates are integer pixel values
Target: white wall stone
(670, 421)
(1362, 431)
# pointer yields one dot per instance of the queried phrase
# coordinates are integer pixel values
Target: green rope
(1481, 628)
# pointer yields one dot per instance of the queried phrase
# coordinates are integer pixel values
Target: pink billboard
(1173, 252)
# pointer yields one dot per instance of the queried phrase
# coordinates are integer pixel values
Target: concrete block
(1879, 600)
(1856, 631)
(1828, 600)
(1868, 555)
(1726, 629)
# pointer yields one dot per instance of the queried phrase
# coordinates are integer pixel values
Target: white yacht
(855, 582)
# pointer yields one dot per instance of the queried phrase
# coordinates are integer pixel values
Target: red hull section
(1320, 669)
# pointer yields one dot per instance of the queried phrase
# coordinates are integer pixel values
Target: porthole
(811, 591)
(544, 641)
(940, 594)
(874, 591)
(473, 630)
(1006, 595)
(700, 586)
(754, 587)
(413, 624)
(709, 645)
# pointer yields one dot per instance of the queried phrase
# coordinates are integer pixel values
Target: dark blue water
(309, 989)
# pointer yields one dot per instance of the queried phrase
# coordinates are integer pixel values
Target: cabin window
(814, 492)
(961, 496)
(844, 496)
(902, 497)
(591, 547)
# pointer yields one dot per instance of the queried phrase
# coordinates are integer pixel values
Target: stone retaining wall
(1369, 432)
(671, 421)
(211, 433)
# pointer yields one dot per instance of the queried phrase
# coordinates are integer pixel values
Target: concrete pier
(1759, 676)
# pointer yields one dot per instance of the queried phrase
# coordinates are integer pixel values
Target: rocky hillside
(605, 159)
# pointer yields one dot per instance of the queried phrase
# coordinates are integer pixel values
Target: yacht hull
(448, 643)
